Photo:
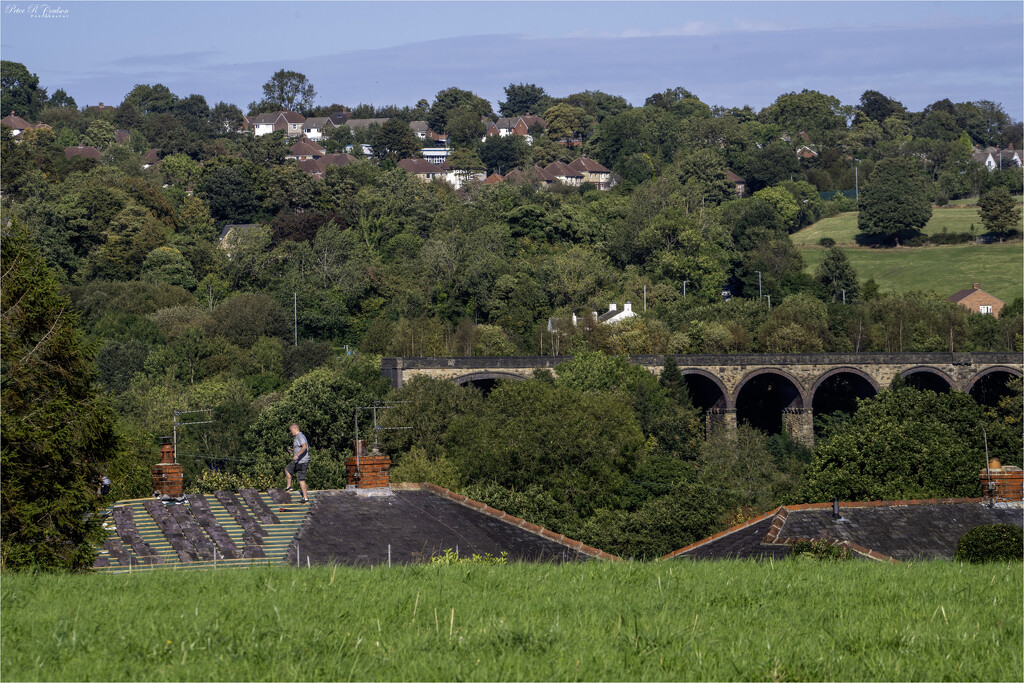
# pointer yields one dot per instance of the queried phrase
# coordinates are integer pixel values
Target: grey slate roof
(900, 530)
(345, 528)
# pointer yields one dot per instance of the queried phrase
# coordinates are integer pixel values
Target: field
(676, 620)
(945, 269)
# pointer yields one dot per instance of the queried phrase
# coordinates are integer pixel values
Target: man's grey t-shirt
(297, 444)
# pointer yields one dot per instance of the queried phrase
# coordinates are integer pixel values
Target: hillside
(945, 269)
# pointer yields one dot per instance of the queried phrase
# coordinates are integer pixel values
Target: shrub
(821, 550)
(827, 242)
(451, 557)
(991, 543)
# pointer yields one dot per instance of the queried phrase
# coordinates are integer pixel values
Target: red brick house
(977, 300)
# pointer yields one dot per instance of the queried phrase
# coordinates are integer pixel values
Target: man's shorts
(297, 469)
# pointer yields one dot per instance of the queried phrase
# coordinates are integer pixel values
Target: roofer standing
(299, 463)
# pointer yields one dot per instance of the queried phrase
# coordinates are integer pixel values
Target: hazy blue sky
(727, 53)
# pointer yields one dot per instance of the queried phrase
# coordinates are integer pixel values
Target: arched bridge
(770, 391)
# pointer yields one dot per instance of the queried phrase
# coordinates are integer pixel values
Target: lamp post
(769, 301)
(759, 294)
(856, 180)
(684, 289)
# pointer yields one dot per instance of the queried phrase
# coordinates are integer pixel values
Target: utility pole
(684, 289)
(759, 294)
(178, 413)
(645, 298)
(769, 301)
(295, 313)
(856, 180)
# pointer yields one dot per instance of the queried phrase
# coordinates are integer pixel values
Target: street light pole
(759, 294)
(684, 289)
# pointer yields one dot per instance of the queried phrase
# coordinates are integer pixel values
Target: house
(86, 151)
(288, 121)
(593, 172)
(101, 107)
(150, 158)
(513, 125)
(436, 155)
(457, 178)
(316, 127)
(370, 522)
(419, 129)
(356, 124)
(317, 167)
(996, 159)
(121, 136)
(893, 530)
(977, 300)
(424, 170)
(17, 124)
(614, 315)
(564, 173)
(806, 153)
(493, 179)
(740, 183)
(304, 150)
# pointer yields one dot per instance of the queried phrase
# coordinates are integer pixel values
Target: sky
(727, 53)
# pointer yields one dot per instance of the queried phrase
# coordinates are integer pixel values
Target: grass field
(843, 228)
(676, 620)
(946, 269)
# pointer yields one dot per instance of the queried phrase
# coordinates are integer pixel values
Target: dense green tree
(838, 277)
(998, 211)
(566, 122)
(877, 107)
(20, 91)
(394, 140)
(771, 164)
(903, 443)
(57, 432)
(225, 118)
(61, 99)
(895, 201)
(524, 98)
(502, 154)
(465, 129)
(808, 111)
(227, 192)
(451, 100)
(152, 99)
(289, 90)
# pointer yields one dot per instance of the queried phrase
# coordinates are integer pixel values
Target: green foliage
(894, 203)
(998, 211)
(288, 90)
(524, 98)
(450, 557)
(901, 444)
(821, 550)
(991, 543)
(57, 431)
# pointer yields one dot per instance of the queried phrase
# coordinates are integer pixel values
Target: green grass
(675, 620)
(843, 228)
(945, 269)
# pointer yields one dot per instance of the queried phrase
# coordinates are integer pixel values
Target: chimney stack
(1002, 483)
(977, 285)
(168, 476)
(366, 472)
(613, 306)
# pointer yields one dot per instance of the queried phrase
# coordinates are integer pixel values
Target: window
(985, 309)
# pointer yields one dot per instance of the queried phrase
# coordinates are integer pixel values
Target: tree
(998, 211)
(20, 91)
(466, 162)
(289, 90)
(566, 122)
(503, 153)
(808, 110)
(56, 431)
(837, 276)
(225, 118)
(450, 100)
(394, 140)
(152, 99)
(901, 444)
(465, 127)
(877, 107)
(895, 200)
(62, 99)
(525, 98)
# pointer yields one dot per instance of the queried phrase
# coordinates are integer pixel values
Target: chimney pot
(629, 306)
(977, 285)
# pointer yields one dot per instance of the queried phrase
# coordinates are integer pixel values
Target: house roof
(882, 530)
(419, 166)
(241, 227)
(121, 136)
(493, 179)
(545, 174)
(82, 151)
(267, 118)
(293, 117)
(531, 120)
(563, 170)
(419, 126)
(336, 159)
(306, 147)
(317, 122)
(733, 178)
(588, 165)
(364, 123)
(312, 166)
(964, 293)
(152, 157)
(15, 122)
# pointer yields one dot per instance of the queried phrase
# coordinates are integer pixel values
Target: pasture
(674, 620)
(843, 228)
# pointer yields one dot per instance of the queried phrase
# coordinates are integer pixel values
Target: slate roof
(364, 123)
(346, 528)
(419, 126)
(15, 122)
(317, 122)
(881, 530)
(964, 293)
(306, 147)
(419, 166)
(563, 170)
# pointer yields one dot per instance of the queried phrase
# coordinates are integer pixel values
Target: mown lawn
(999, 268)
(843, 228)
(675, 620)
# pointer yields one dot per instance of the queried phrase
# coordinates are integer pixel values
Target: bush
(991, 543)
(821, 550)
(827, 242)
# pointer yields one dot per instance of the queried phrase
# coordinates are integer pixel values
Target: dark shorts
(297, 469)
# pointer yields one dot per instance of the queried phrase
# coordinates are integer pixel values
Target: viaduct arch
(773, 391)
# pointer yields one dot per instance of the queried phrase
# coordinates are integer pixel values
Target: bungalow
(614, 315)
(977, 300)
(593, 172)
(288, 121)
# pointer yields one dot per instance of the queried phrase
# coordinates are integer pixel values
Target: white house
(614, 315)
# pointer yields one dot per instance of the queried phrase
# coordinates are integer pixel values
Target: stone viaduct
(770, 391)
